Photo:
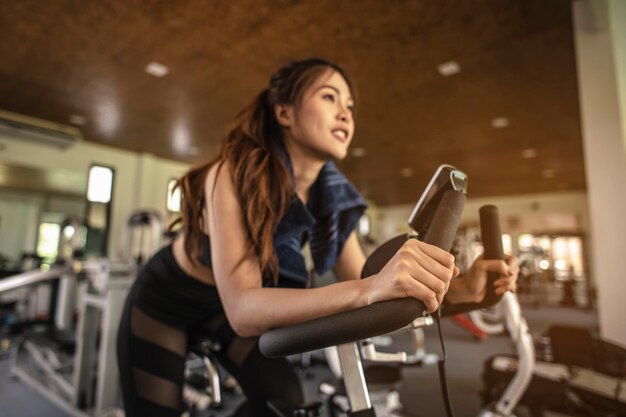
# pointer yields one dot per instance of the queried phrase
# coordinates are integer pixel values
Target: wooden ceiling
(517, 60)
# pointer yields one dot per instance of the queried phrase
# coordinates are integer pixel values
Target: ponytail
(262, 183)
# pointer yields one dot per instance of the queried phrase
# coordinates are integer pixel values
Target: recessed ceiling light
(449, 68)
(499, 122)
(77, 119)
(156, 69)
(529, 153)
(406, 172)
(548, 173)
(358, 152)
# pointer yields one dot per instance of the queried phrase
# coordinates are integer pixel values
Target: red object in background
(464, 321)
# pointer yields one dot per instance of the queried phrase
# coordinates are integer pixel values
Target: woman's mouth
(340, 134)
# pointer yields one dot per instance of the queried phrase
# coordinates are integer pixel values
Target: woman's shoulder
(219, 167)
(218, 180)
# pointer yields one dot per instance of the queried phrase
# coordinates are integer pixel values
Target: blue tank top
(326, 221)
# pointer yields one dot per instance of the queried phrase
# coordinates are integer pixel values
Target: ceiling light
(156, 69)
(108, 118)
(449, 68)
(406, 172)
(499, 122)
(181, 139)
(548, 173)
(77, 119)
(358, 152)
(529, 153)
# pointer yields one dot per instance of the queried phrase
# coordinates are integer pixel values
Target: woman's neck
(306, 169)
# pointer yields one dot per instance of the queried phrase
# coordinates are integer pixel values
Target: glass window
(48, 242)
(173, 197)
(100, 184)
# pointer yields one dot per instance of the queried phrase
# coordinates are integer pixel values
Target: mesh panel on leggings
(157, 390)
(159, 351)
(147, 328)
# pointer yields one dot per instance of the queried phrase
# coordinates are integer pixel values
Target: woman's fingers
(444, 258)
(506, 284)
(438, 286)
(511, 261)
(509, 282)
(429, 269)
(417, 270)
(495, 265)
(418, 290)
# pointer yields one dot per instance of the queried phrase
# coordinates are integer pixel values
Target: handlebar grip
(491, 236)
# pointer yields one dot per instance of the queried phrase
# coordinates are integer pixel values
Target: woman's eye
(351, 108)
(329, 97)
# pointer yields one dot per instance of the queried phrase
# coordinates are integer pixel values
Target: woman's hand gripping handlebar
(491, 237)
(374, 319)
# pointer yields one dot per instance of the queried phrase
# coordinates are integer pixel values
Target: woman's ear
(284, 114)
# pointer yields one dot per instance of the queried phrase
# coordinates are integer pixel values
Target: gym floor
(420, 392)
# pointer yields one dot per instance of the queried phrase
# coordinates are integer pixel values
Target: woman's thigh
(262, 379)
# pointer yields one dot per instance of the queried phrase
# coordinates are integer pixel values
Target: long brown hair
(263, 183)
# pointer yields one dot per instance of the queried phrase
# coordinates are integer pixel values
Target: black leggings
(164, 311)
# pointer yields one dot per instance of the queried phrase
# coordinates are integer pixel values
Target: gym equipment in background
(576, 374)
(71, 358)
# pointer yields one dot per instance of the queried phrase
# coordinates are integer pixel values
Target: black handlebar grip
(368, 321)
(491, 236)
(446, 220)
(382, 255)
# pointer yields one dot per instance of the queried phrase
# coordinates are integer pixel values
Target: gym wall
(140, 179)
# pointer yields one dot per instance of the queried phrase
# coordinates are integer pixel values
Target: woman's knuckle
(399, 280)
(403, 264)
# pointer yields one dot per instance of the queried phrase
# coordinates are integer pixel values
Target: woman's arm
(351, 260)
(418, 270)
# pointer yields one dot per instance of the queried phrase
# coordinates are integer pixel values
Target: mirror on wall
(34, 203)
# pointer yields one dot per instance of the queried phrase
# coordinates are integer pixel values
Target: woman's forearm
(261, 309)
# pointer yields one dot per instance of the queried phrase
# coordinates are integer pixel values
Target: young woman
(237, 270)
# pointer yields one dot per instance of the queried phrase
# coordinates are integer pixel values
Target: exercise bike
(345, 329)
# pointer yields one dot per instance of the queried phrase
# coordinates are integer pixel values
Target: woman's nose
(344, 114)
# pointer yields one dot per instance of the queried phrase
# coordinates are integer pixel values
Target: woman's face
(322, 124)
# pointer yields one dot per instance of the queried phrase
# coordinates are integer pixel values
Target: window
(100, 184)
(48, 242)
(173, 197)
